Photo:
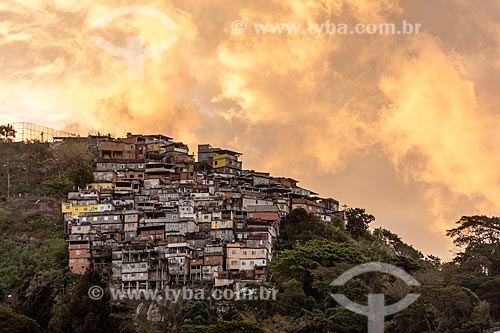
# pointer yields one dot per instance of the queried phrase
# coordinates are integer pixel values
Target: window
(243, 262)
(252, 263)
(81, 260)
(116, 218)
(233, 252)
(253, 253)
(244, 253)
(95, 218)
(106, 218)
(72, 260)
(78, 252)
(234, 263)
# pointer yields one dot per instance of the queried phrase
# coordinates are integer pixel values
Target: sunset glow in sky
(402, 125)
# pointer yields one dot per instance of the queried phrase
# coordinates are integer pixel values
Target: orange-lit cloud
(402, 125)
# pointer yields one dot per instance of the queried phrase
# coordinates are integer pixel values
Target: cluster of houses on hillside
(154, 216)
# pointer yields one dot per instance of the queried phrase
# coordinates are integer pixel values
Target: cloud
(418, 112)
(437, 133)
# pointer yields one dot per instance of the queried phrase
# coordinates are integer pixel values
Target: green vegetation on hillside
(459, 296)
(39, 169)
(11, 322)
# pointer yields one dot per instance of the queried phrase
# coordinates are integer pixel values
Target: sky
(404, 126)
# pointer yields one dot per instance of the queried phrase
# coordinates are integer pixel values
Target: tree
(75, 161)
(7, 133)
(37, 304)
(12, 322)
(299, 262)
(473, 231)
(291, 299)
(477, 265)
(194, 313)
(300, 227)
(394, 242)
(342, 320)
(79, 313)
(58, 185)
(442, 309)
(478, 237)
(202, 166)
(358, 221)
(223, 327)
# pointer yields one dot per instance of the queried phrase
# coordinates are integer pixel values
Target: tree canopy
(7, 133)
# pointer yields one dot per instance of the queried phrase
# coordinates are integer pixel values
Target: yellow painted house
(219, 161)
(228, 161)
(204, 218)
(224, 224)
(100, 186)
(156, 146)
(76, 210)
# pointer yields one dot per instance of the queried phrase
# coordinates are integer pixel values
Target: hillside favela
(154, 215)
(133, 233)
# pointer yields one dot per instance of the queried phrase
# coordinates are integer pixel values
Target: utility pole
(8, 179)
